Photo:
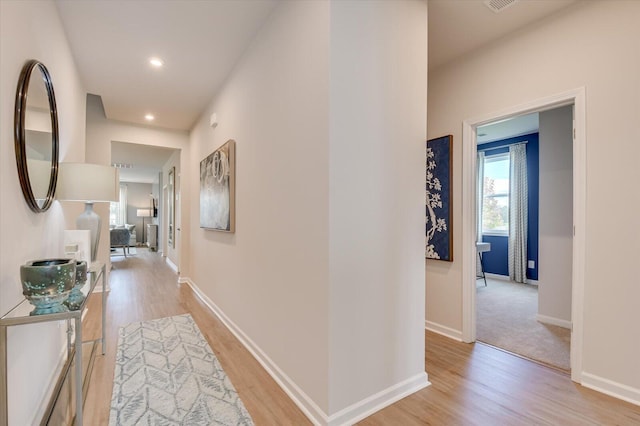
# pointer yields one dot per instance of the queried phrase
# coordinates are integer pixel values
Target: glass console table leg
(104, 310)
(78, 363)
(4, 406)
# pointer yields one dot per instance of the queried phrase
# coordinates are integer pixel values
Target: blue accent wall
(496, 261)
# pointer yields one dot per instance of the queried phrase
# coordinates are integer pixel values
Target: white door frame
(469, 154)
(165, 211)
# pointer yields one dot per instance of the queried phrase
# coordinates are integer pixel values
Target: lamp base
(89, 220)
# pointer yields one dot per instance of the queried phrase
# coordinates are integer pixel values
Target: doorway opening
(145, 209)
(574, 101)
(525, 227)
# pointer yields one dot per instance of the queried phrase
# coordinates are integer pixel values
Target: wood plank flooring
(480, 385)
(471, 384)
(143, 287)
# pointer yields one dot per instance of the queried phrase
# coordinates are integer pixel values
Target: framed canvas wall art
(217, 189)
(439, 232)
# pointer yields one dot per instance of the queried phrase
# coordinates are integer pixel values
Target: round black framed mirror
(36, 136)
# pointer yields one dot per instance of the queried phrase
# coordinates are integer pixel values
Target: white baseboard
(443, 330)
(362, 409)
(497, 276)
(53, 380)
(316, 415)
(301, 399)
(171, 265)
(553, 321)
(506, 278)
(611, 388)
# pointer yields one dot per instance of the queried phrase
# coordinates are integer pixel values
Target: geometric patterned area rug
(166, 374)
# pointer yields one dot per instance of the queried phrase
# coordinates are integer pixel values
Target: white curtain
(480, 194)
(122, 206)
(479, 204)
(518, 213)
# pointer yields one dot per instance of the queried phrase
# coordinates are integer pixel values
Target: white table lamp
(89, 183)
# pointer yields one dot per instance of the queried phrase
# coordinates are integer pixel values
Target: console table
(19, 315)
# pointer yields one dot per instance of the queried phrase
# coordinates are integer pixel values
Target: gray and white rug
(166, 374)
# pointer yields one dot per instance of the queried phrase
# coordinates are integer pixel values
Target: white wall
(556, 213)
(270, 277)
(32, 30)
(376, 202)
(102, 131)
(591, 44)
(323, 276)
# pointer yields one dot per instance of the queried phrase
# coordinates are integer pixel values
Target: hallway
(471, 384)
(143, 287)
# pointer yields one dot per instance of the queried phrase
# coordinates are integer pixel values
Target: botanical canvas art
(217, 189)
(439, 235)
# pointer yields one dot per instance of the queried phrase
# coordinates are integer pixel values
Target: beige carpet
(507, 319)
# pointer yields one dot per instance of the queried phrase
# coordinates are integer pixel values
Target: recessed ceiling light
(149, 117)
(156, 62)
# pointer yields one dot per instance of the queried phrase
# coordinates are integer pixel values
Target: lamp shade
(87, 182)
(143, 212)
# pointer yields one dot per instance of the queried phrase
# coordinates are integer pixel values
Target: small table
(482, 247)
(19, 315)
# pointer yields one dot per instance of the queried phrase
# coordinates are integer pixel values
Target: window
(113, 213)
(495, 195)
(118, 210)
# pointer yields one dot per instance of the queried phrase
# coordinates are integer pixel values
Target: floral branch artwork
(438, 199)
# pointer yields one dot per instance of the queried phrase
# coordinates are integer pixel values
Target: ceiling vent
(498, 6)
(122, 165)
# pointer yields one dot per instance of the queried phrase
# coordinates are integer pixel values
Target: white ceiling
(457, 27)
(503, 129)
(201, 41)
(146, 161)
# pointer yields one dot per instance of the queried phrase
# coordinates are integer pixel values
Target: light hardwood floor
(471, 384)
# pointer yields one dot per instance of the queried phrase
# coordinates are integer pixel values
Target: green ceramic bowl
(76, 297)
(46, 283)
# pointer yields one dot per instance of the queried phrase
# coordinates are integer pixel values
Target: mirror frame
(20, 138)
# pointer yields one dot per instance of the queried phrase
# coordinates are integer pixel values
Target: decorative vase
(46, 283)
(76, 297)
